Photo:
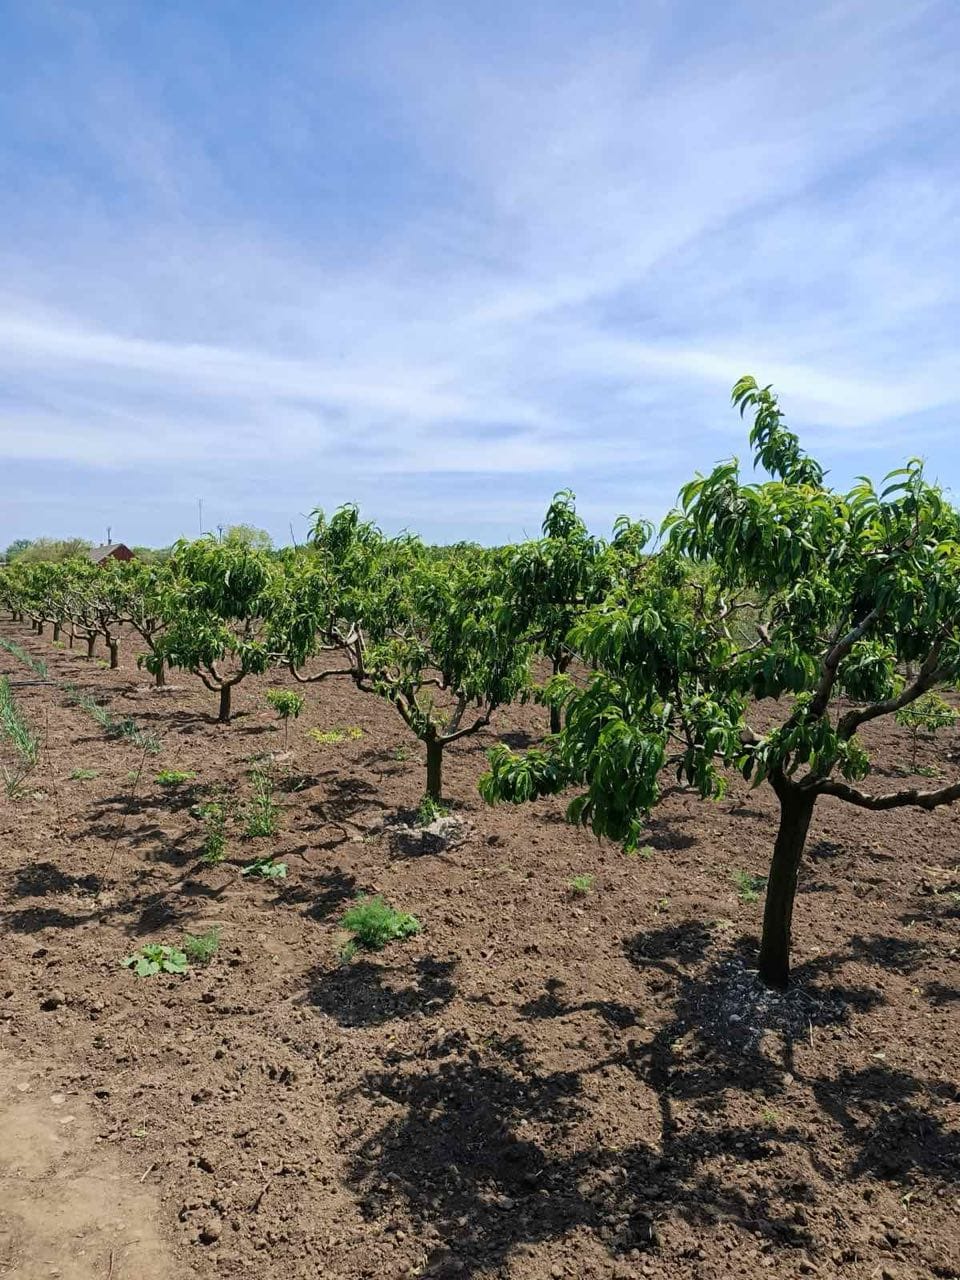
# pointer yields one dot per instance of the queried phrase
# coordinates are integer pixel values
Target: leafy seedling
(429, 810)
(155, 957)
(645, 851)
(174, 778)
(265, 869)
(213, 815)
(200, 948)
(83, 775)
(580, 886)
(374, 923)
(261, 813)
(748, 886)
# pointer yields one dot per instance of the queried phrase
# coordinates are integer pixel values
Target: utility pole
(219, 532)
(109, 531)
(200, 511)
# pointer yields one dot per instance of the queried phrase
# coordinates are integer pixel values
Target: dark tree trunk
(91, 645)
(435, 770)
(56, 632)
(71, 637)
(796, 810)
(160, 675)
(560, 664)
(225, 692)
(39, 628)
(114, 645)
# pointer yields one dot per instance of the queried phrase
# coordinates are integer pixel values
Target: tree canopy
(780, 589)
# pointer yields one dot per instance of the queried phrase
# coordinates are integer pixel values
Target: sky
(443, 259)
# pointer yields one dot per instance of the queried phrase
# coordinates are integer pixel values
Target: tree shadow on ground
(346, 796)
(150, 903)
(321, 895)
(487, 1150)
(41, 879)
(365, 993)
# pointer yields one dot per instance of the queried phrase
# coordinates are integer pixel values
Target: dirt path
(68, 1208)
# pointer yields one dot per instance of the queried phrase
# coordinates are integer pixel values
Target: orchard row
(839, 607)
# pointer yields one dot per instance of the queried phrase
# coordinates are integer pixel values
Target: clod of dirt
(53, 999)
(211, 1231)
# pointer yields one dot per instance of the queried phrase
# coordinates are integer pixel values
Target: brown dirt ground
(536, 1086)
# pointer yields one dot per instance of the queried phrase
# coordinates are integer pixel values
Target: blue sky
(445, 258)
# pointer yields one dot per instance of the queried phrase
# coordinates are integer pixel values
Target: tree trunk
(71, 637)
(56, 632)
(39, 628)
(556, 717)
(225, 691)
(796, 810)
(160, 675)
(91, 644)
(435, 770)
(114, 645)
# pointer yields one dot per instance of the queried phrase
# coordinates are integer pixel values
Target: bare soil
(539, 1085)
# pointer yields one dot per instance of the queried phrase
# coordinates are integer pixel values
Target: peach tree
(843, 592)
(423, 629)
(215, 605)
(549, 582)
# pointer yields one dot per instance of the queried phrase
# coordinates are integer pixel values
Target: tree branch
(479, 723)
(320, 675)
(926, 678)
(821, 699)
(891, 799)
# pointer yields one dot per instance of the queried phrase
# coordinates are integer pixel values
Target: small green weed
(748, 886)
(374, 923)
(25, 743)
(329, 737)
(155, 957)
(580, 885)
(173, 778)
(126, 728)
(429, 810)
(200, 948)
(36, 665)
(213, 815)
(260, 814)
(769, 1117)
(402, 753)
(83, 775)
(645, 851)
(265, 869)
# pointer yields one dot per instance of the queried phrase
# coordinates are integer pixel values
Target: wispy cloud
(446, 267)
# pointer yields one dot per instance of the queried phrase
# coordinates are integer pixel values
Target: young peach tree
(424, 630)
(215, 606)
(549, 582)
(843, 590)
